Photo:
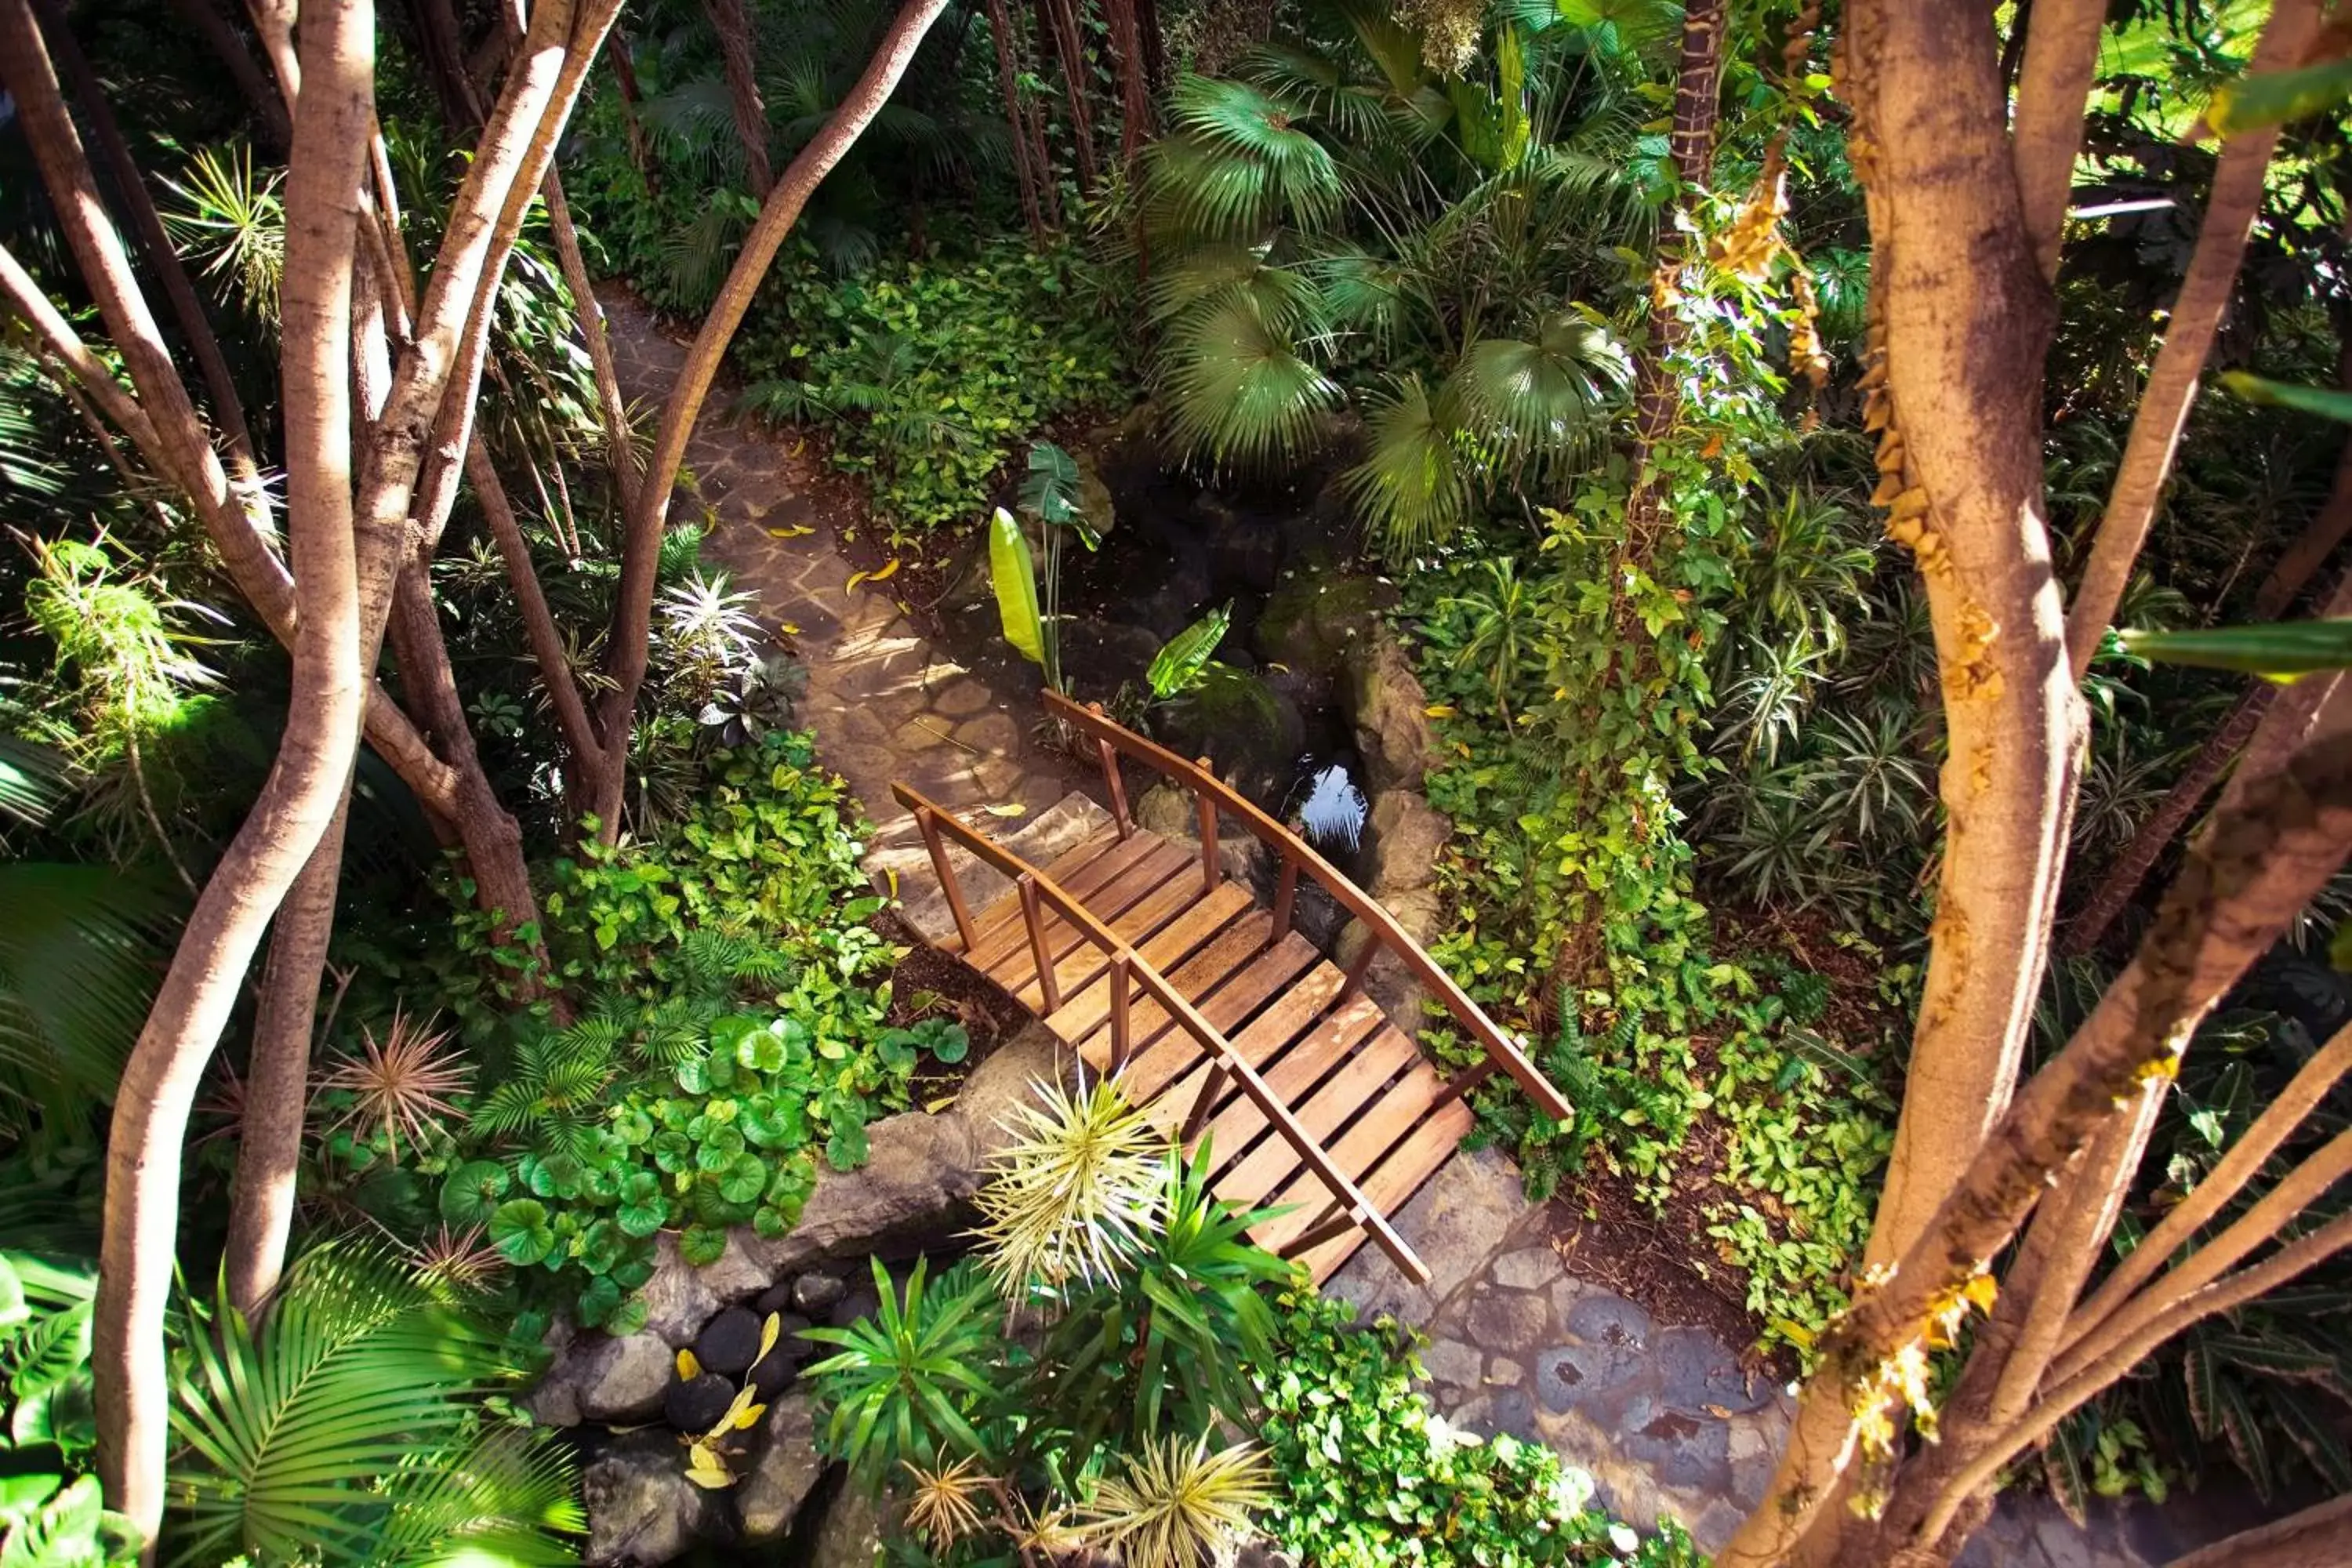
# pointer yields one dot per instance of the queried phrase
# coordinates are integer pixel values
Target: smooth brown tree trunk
(624, 78)
(641, 550)
(277, 1075)
(340, 585)
(733, 26)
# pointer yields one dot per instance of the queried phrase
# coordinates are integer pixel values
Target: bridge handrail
(1350, 1203)
(1212, 795)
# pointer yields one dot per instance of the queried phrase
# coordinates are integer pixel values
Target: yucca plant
(1179, 1504)
(1074, 1197)
(346, 1426)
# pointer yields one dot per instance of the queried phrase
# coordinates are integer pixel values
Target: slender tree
(729, 20)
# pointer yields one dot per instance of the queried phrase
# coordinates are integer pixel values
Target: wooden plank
(1228, 982)
(1121, 885)
(1359, 1083)
(1159, 880)
(1010, 939)
(1291, 1013)
(992, 919)
(1300, 1071)
(1400, 1176)
(1394, 1131)
(1083, 1013)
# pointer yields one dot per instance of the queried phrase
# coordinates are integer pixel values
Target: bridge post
(1207, 807)
(928, 821)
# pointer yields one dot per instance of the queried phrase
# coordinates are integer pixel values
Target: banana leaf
(2280, 651)
(1177, 666)
(1015, 576)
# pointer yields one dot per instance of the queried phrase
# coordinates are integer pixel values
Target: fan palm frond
(1295, 173)
(78, 957)
(1305, 75)
(33, 780)
(1413, 485)
(1241, 391)
(1363, 292)
(1542, 398)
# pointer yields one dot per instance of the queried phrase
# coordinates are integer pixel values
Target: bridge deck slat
(1166, 880)
(1004, 947)
(1068, 867)
(1398, 1177)
(1085, 1010)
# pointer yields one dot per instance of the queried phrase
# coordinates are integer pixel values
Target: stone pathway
(885, 704)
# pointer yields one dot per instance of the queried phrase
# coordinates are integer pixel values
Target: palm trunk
(735, 54)
(624, 78)
(341, 584)
(630, 639)
(1134, 88)
(277, 1076)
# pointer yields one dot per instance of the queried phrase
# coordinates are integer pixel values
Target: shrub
(928, 373)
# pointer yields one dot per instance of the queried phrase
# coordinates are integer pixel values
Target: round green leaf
(643, 1208)
(597, 1302)
(701, 1245)
(744, 1180)
(673, 1151)
(718, 1148)
(521, 1231)
(473, 1191)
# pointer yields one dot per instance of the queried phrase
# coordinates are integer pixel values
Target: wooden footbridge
(1219, 1018)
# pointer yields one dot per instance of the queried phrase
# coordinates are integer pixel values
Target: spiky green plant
(347, 1428)
(1179, 1504)
(1074, 1194)
(234, 220)
(905, 1384)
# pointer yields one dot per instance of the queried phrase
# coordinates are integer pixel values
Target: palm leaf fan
(1240, 391)
(34, 779)
(1307, 76)
(1541, 398)
(1361, 292)
(507, 1498)
(1413, 484)
(1238, 119)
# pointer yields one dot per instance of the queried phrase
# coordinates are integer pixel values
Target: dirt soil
(927, 983)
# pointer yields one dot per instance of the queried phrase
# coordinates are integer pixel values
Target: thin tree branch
(2204, 298)
(33, 307)
(2312, 1539)
(2061, 55)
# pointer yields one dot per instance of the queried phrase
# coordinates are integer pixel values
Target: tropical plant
(909, 1383)
(1073, 1193)
(1177, 1504)
(348, 1423)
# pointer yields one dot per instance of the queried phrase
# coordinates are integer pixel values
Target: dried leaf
(889, 571)
(1007, 809)
(689, 1369)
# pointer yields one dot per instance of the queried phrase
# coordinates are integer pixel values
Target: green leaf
(761, 1051)
(846, 1149)
(2274, 98)
(743, 1181)
(2321, 401)
(520, 1232)
(1016, 578)
(2280, 651)
(644, 1207)
(1176, 667)
(701, 1245)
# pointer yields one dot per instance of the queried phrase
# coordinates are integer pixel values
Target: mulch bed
(928, 984)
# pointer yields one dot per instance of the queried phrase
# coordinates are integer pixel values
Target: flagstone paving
(885, 702)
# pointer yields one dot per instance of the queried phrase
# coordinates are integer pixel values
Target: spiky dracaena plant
(1177, 1504)
(1076, 1193)
(402, 1082)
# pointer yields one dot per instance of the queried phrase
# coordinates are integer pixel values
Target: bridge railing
(1212, 797)
(1129, 972)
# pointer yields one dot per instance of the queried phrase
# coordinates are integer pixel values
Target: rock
(613, 1380)
(1388, 706)
(1609, 1321)
(728, 1341)
(1451, 1360)
(697, 1404)
(787, 1470)
(679, 1300)
(851, 1534)
(814, 1292)
(862, 1302)
(790, 1346)
(776, 1297)
(1529, 1268)
(736, 1275)
(1508, 1320)
(642, 1510)
(919, 1174)
(1409, 837)
(1455, 1222)
(1007, 1079)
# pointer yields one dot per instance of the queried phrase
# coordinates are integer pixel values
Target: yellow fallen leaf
(749, 1417)
(1717, 1410)
(854, 579)
(1439, 710)
(889, 571)
(709, 1481)
(1278, 666)
(798, 447)
(1007, 810)
(768, 1333)
(792, 629)
(689, 1369)
(790, 532)
(892, 873)
(934, 1107)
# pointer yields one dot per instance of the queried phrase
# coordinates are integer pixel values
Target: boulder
(851, 1534)
(786, 1471)
(919, 1175)
(1388, 709)
(815, 1291)
(609, 1378)
(1409, 837)
(697, 1404)
(679, 1300)
(728, 1341)
(642, 1510)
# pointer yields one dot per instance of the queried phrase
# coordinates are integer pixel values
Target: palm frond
(1412, 486)
(1542, 398)
(1242, 393)
(77, 955)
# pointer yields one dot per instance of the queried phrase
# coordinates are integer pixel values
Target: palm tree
(1340, 201)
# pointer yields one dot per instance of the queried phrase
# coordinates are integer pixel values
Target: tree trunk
(624, 78)
(2301, 560)
(341, 585)
(641, 550)
(735, 53)
(1054, 20)
(1000, 28)
(277, 1075)
(2054, 83)
(1134, 88)
(2312, 1539)
(2204, 298)
(2250, 874)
